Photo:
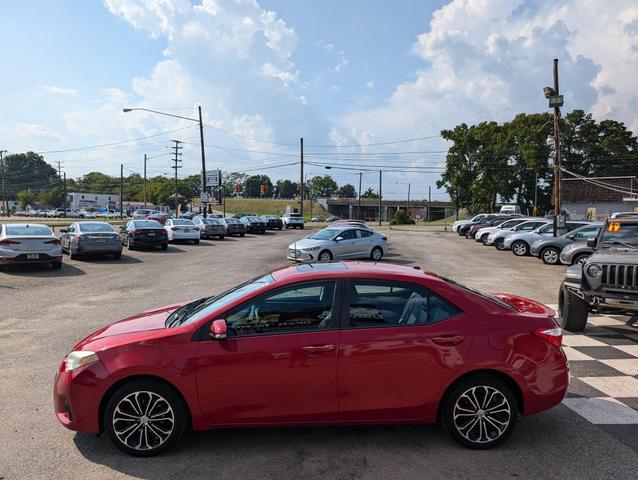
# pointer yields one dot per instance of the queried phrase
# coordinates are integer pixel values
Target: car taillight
(55, 241)
(384, 238)
(174, 228)
(9, 242)
(196, 229)
(137, 232)
(553, 336)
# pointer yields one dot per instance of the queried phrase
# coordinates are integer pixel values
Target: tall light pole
(201, 140)
(555, 102)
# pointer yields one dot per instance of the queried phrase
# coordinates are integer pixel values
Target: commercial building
(595, 198)
(92, 201)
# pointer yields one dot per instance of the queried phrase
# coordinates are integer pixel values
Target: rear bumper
(23, 259)
(107, 248)
(149, 243)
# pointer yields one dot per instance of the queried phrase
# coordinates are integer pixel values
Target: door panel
(269, 379)
(397, 373)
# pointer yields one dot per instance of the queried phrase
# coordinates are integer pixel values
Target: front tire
(325, 256)
(145, 417)
(480, 412)
(500, 244)
(550, 256)
(484, 240)
(572, 311)
(376, 254)
(582, 258)
(520, 248)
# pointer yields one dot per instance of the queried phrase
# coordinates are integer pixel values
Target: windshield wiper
(618, 242)
(175, 318)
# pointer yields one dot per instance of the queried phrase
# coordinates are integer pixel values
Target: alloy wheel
(482, 414)
(143, 420)
(550, 256)
(376, 254)
(519, 248)
(325, 256)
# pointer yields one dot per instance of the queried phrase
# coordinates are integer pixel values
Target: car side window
(383, 304)
(348, 234)
(293, 309)
(546, 229)
(587, 233)
(363, 233)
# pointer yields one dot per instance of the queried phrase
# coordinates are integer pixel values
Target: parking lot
(45, 312)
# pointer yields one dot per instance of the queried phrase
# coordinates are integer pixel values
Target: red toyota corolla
(334, 343)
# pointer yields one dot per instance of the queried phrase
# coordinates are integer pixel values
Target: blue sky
(266, 73)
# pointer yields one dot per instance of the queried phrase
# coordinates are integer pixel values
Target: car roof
(307, 271)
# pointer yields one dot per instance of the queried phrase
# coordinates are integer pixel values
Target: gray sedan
(83, 238)
(339, 243)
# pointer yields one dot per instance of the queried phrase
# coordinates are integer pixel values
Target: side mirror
(63, 231)
(339, 238)
(122, 228)
(218, 329)
(591, 242)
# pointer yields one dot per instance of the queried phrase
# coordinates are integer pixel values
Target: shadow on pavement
(103, 258)
(42, 270)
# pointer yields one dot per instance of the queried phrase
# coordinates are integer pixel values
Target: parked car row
(61, 213)
(531, 236)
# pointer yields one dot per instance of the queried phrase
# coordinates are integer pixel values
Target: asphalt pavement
(44, 312)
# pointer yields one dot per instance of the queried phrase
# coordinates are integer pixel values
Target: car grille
(620, 276)
(294, 253)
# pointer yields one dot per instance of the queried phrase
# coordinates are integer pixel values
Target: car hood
(306, 243)
(148, 321)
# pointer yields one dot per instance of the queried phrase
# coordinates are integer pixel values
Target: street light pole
(359, 198)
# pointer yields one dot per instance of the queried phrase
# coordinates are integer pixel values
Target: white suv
(294, 220)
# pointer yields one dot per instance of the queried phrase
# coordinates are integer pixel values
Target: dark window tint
(364, 233)
(31, 230)
(374, 304)
(292, 309)
(348, 234)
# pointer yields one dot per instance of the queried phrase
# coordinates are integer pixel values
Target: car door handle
(318, 348)
(448, 340)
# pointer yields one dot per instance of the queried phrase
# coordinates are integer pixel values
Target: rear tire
(117, 255)
(480, 412)
(164, 246)
(74, 256)
(195, 242)
(221, 237)
(376, 254)
(242, 234)
(572, 311)
(129, 244)
(56, 265)
(151, 408)
(550, 256)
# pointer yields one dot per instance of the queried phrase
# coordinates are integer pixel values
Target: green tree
(347, 191)
(97, 182)
(322, 187)
(252, 186)
(26, 197)
(28, 171)
(286, 188)
(369, 193)
(230, 180)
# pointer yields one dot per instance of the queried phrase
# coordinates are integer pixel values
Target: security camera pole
(555, 101)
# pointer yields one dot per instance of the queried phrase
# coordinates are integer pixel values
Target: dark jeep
(607, 282)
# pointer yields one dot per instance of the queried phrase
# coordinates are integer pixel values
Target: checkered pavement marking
(603, 364)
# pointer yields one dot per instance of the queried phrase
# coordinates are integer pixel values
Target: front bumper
(300, 256)
(76, 397)
(606, 300)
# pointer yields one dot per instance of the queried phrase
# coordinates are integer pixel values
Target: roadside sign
(213, 178)
(203, 197)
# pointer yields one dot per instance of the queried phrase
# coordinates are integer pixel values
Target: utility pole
(556, 153)
(408, 207)
(65, 196)
(535, 211)
(59, 169)
(121, 190)
(5, 201)
(301, 186)
(176, 160)
(429, 202)
(359, 199)
(380, 181)
(201, 142)
(144, 180)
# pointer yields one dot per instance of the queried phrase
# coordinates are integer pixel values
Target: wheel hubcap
(482, 414)
(519, 249)
(324, 257)
(376, 254)
(550, 256)
(143, 420)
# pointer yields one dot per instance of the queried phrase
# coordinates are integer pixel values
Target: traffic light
(238, 187)
(262, 189)
(265, 188)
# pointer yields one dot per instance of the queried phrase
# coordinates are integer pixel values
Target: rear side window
(385, 304)
(364, 233)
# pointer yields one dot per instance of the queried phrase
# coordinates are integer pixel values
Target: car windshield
(95, 227)
(147, 224)
(327, 234)
(29, 230)
(204, 307)
(618, 234)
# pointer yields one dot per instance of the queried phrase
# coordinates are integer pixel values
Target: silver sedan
(339, 243)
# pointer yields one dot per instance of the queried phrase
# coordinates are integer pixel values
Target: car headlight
(594, 270)
(310, 249)
(78, 359)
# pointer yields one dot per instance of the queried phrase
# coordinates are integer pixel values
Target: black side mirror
(591, 242)
(63, 231)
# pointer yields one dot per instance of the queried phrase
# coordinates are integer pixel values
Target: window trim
(345, 315)
(335, 322)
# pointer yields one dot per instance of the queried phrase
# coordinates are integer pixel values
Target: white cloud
(370, 84)
(269, 70)
(71, 92)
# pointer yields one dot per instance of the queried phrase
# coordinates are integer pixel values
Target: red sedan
(335, 343)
